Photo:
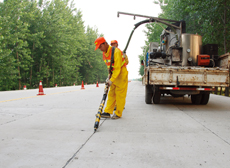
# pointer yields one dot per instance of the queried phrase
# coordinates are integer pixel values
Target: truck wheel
(205, 98)
(148, 94)
(156, 96)
(196, 99)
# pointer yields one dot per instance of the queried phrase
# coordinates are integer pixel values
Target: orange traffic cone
(74, 84)
(82, 85)
(97, 84)
(24, 87)
(55, 85)
(40, 92)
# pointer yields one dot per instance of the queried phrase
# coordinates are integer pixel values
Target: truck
(180, 65)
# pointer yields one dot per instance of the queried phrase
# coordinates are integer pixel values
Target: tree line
(47, 41)
(208, 18)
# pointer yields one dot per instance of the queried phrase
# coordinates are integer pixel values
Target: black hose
(144, 21)
(136, 25)
(124, 51)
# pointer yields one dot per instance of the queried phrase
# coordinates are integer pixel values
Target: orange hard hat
(113, 41)
(99, 41)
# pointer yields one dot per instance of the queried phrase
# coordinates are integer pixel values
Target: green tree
(14, 42)
(47, 41)
(93, 68)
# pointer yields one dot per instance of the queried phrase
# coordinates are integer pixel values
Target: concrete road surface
(56, 131)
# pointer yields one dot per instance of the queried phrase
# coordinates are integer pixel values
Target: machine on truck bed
(180, 65)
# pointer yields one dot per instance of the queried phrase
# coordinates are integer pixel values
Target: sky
(102, 14)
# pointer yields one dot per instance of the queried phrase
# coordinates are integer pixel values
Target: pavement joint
(206, 128)
(81, 147)
(78, 151)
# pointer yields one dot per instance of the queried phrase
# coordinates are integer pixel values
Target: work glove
(106, 81)
(126, 58)
(109, 82)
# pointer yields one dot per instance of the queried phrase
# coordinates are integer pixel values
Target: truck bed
(189, 75)
(186, 76)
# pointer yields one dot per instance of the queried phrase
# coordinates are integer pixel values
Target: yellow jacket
(117, 62)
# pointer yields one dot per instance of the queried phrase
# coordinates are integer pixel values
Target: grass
(223, 91)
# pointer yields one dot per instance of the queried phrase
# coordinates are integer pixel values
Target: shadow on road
(216, 103)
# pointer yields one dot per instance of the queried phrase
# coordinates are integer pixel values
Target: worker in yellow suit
(114, 43)
(118, 81)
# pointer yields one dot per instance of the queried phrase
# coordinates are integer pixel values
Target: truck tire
(148, 94)
(196, 99)
(156, 95)
(205, 98)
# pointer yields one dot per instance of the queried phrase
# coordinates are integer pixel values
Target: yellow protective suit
(118, 89)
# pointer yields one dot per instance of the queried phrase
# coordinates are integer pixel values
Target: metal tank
(192, 45)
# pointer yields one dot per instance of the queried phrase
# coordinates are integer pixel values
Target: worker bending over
(118, 81)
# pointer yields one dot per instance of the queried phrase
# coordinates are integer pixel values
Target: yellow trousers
(117, 93)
